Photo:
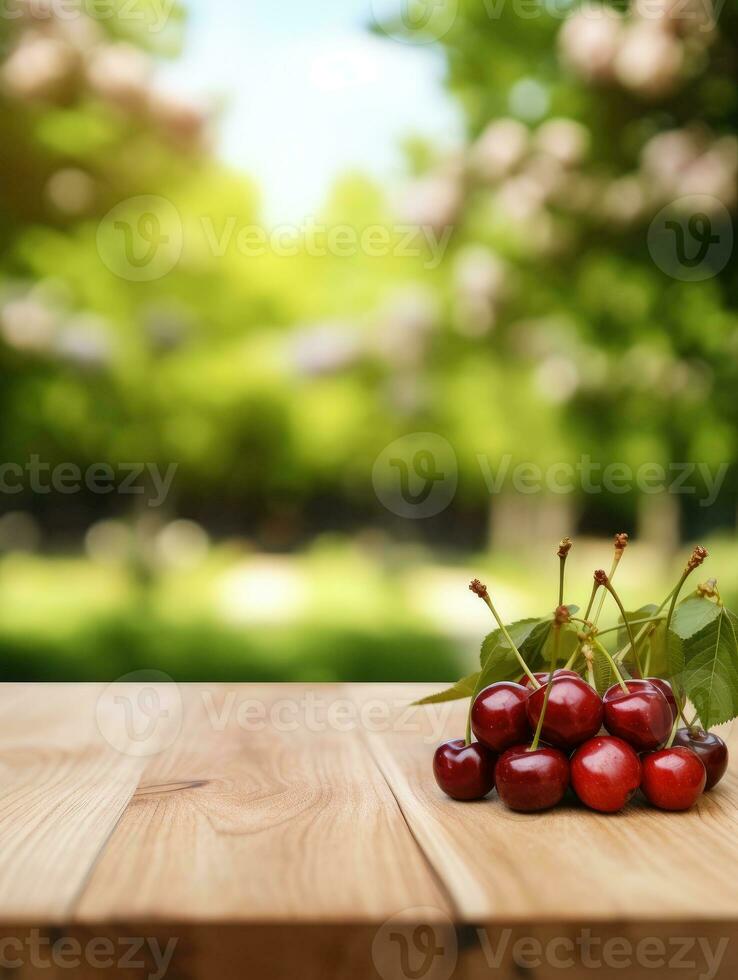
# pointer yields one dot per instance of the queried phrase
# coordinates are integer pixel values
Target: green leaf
(710, 669)
(693, 614)
(499, 662)
(674, 657)
(532, 638)
(603, 675)
(603, 672)
(520, 633)
(568, 643)
(528, 635)
(461, 689)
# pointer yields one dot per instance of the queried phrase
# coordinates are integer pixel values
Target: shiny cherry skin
(498, 716)
(605, 773)
(711, 749)
(529, 781)
(666, 690)
(673, 779)
(641, 716)
(464, 772)
(542, 678)
(573, 715)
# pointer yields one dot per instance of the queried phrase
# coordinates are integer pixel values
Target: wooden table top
(260, 807)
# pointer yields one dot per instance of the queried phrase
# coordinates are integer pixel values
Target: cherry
(542, 678)
(605, 773)
(641, 715)
(673, 778)
(667, 691)
(529, 780)
(710, 748)
(498, 716)
(574, 712)
(464, 772)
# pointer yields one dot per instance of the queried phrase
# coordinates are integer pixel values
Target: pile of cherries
(604, 768)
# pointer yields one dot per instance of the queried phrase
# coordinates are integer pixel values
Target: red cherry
(711, 749)
(605, 773)
(464, 772)
(666, 690)
(498, 716)
(641, 715)
(542, 678)
(573, 714)
(673, 778)
(529, 781)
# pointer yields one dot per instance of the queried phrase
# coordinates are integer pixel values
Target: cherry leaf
(710, 669)
(461, 689)
(693, 615)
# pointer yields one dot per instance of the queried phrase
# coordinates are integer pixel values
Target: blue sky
(309, 93)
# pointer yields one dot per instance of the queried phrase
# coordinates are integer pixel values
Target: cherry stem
(613, 569)
(648, 656)
(631, 637)
(633, 622)
(547, 695)
(613, 665)
(595, 587)
(622, 654)
(682, 708)
(674, 728)
(472, 699)
(526, 669)
(675, 595)
(562, 567)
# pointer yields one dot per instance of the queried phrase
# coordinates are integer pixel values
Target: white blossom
(39, 67)
(566, 140)
(589, 41)
(120, 74)
(649, 59)
(500, 149)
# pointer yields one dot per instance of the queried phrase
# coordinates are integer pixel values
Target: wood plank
(363, 951)
(566, 865)
(62, 790)
(278, 816)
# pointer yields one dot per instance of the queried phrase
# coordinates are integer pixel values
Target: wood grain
(297, 830)
(62, 790)
(258, 822)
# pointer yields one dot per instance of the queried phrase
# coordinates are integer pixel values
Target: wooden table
(295, 831)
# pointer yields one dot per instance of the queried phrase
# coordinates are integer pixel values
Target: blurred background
(310, 313)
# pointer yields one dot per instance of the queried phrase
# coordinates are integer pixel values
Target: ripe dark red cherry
(605, 773)
(542, 678)
(573, 715)
(498, 716)
(666, 690)
(529, 781)
(641, 716)
(464, 772)
(672, 778)
(711, 749)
